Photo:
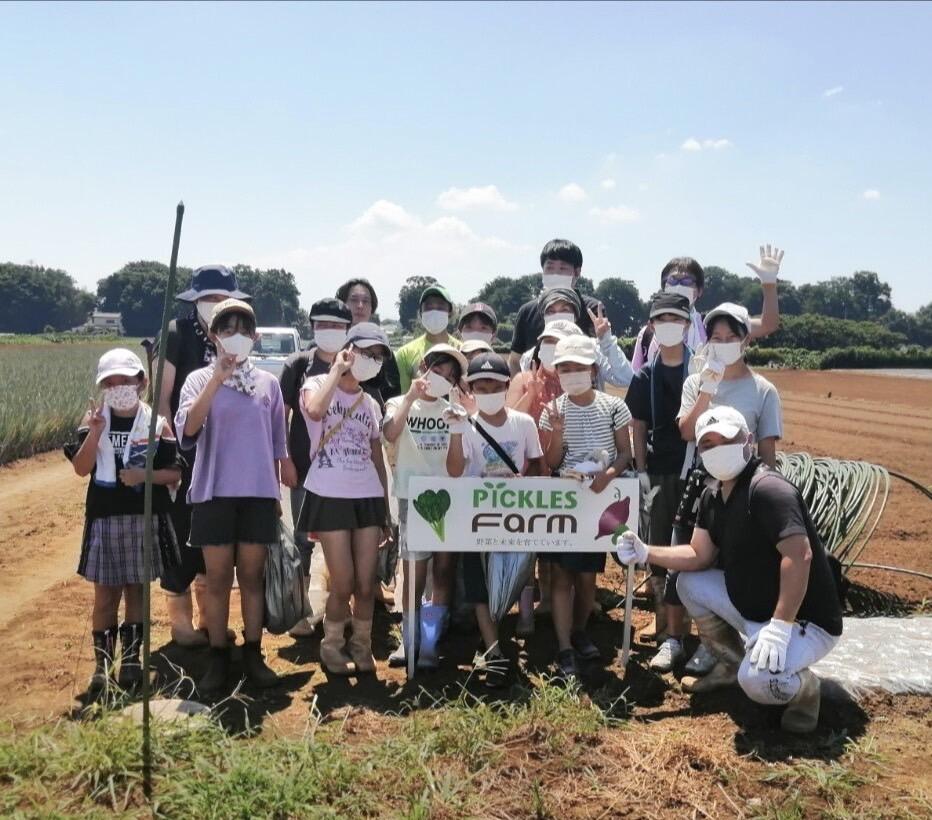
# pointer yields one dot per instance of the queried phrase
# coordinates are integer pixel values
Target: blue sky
(454, 140)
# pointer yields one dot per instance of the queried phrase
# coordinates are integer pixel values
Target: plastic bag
(286, 600)
(506, 574)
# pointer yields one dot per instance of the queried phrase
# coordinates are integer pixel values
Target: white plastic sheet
(881, 655)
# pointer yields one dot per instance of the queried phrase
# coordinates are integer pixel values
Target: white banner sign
(518, 514)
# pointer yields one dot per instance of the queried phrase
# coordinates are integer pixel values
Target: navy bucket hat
(210, 280)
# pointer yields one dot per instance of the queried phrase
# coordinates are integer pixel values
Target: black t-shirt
(666, 448)
(746, 530)
(529, 323)
(102, 502)
(187, 348)
(298, 367)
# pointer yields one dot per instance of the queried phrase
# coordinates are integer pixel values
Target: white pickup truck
(275, 344)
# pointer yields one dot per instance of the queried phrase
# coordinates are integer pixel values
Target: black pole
(147, 509)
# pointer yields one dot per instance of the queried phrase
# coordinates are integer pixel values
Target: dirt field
(45, 655)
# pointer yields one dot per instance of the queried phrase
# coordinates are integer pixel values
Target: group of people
(350, 422)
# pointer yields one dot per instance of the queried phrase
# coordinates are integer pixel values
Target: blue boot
(432, 623)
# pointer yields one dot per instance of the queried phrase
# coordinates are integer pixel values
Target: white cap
(737, 312)
(724, 420)
(448, 350)
(119, 362)
(560, 329)
(475, 345)
(577, 348)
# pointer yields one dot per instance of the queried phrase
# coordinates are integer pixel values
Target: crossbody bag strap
(496, 446)
(333, 430)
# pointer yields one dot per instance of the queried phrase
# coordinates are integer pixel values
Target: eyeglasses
(365, 301)
(376, 357)
(686, 279)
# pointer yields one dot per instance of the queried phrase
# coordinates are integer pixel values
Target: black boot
(104, 643)
(257, 673)
(216, 678)
(130, 674)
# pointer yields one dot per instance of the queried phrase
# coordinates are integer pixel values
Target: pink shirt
(343, 467)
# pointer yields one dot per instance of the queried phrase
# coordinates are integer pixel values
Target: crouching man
(755, 577)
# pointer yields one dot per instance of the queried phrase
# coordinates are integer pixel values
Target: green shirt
(409, 357)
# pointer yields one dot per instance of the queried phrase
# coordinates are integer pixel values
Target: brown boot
(725, 643)
(360, 646)
(181, 617)
(657, 631)
(802, 712)
(332, 654)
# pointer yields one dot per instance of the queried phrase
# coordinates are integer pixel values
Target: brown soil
(45, 655)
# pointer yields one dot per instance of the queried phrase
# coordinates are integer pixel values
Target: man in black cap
(187, 348)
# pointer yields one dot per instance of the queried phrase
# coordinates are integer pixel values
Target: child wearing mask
(585, 425)
(415, 426)
(434, 310)
(516, 451)
(233, 413)
(111, 448)
(346, 501)
(478, 323)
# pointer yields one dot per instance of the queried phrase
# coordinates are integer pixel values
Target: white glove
(769, 267)
(768, 647)
(710, 377)
(459, 427)
(644, 480)
(631, 549)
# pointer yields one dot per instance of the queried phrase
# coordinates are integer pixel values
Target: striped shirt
(589, 428)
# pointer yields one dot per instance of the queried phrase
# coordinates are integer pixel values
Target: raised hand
(95, 417)
(343, 361)
(601, 324)
(536, 384)
(769, 266)
(710, 377)
(226, 364)
(418, 389)
(557, 421)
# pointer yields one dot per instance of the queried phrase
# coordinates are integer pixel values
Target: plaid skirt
(111, 551)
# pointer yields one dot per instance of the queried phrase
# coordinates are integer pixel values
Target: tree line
(842, 311)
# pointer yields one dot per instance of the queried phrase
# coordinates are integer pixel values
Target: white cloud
(831, 92)
(608, 184)
(618, 213)
(871, 193)
(572, 192)
(692, 144)
(486, 196)
(381, 216)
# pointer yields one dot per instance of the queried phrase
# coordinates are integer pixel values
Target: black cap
(669, 303)
(488, 366)
(211, 280)
(330, 310)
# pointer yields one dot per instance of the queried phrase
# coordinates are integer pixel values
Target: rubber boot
(525, 625)
(181, 617)
(725, 643)
(130, 669)
(802, 712)
(332, 655)
(254, 665)
(658, 630)
(431, 620)
(360, 646)
(104, 646)
(216, 678)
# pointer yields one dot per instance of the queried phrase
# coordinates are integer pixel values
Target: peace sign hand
(226, 364)
(535, 384)
(95, 417)
(769, 267)
(556, 418)
(343, 361)
(601, 324)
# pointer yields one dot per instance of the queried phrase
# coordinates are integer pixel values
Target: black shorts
(475, 587)
(319, 514)
(575, 561)
(234, 521)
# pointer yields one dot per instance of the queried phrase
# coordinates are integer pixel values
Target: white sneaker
(701, 662)
(670, 653)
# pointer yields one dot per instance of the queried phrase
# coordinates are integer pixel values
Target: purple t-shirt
(240, 441)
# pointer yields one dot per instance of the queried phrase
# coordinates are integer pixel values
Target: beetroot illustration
(613, 521)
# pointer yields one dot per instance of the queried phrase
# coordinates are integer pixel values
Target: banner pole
(147, 512)
(409, 618)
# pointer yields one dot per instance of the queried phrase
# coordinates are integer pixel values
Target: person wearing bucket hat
(588, 435)
(561, 266)
(497, 442)
(110, 447)
(188, 347)
(233, 412)
(434, 310)
(346, 500)
(418, 434)
(755, 576)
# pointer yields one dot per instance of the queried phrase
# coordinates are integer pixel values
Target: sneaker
(701, 662)
(398, 659)
(566, 664)
(496, 671)
(670, 653)
(584, 646)
(302, 629)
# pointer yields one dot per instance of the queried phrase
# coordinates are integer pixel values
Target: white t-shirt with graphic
(517, 436)
(421, 449)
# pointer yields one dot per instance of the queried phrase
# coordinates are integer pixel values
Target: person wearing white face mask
(415, 427)
(188, 347)
(346, 500)
(585, 424)
(685, 277)
(561, 267)
(502, 443)
(234, 414)
(772, 609)
(434, 312)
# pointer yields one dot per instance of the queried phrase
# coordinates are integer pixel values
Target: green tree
(409, 298)
(137, 291)
(859, 296)
(623, 305)
(33, 298)
(506, 294)
(812, 332)
(274, 296)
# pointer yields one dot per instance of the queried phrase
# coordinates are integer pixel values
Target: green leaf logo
(432, 506)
